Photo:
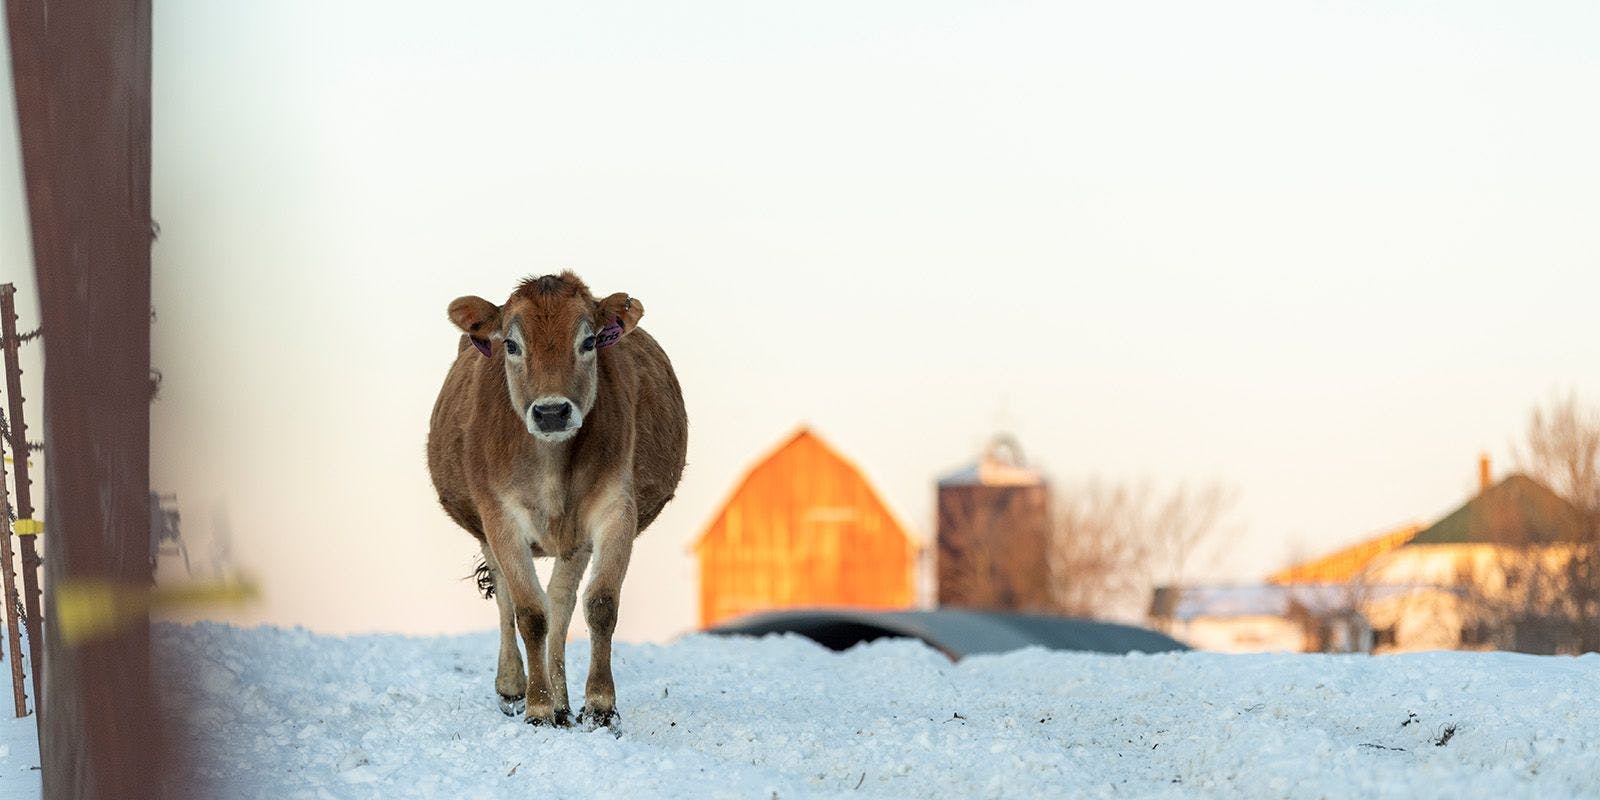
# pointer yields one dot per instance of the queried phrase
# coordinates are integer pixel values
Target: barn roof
(1517, 511)
(803, 434)
(1343, 565)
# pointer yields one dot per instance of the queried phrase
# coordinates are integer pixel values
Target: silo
(994, 534)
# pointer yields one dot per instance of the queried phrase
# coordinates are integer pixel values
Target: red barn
(804, 528)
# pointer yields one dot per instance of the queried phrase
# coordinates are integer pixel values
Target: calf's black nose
(552, 416)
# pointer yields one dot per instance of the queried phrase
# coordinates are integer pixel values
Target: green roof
(1516, 511)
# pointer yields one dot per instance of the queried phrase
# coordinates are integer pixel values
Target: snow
(19, 737)
(19, 755)
(291, 714)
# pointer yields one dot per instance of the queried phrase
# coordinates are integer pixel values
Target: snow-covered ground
(289, 714)
(19, 754)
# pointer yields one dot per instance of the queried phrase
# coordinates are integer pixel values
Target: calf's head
(548, 337)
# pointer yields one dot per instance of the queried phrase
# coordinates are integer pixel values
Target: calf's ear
(478, 318)
(621, 310)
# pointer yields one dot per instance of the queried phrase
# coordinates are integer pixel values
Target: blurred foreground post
(81, 72)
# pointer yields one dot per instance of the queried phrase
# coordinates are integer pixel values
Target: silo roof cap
(1001, 464)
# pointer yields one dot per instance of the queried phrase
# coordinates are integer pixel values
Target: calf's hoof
(602, 718)
(563, 718)
(512, 706)
(540, 716)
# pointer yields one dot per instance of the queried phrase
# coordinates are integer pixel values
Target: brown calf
(560, 431)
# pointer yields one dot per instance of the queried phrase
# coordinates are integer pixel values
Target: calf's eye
(512, 348)
(588, 344)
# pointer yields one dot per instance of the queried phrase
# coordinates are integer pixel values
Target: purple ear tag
(481, 344)
(609, 334)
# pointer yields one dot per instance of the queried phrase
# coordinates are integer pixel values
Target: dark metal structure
(956, 633)
(81, 76)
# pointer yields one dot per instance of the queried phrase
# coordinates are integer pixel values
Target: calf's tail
(484, 578)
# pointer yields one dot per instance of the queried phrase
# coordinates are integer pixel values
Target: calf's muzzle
(551, 417)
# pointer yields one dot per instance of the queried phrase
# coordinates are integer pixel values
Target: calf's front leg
(529, 609)
(563, 596)
(613, 549)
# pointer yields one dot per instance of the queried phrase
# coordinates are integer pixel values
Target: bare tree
(1563, 450)
(1188, 520)
(1115, 542)
(1542, 596)
(1099, 552)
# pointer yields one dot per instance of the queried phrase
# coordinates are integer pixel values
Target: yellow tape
(28, 527)
(88, 609)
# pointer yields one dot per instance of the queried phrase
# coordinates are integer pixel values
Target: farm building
(1495, 566)
(1260, 619)
(994, 534)
(804, 528)
(1345, 565)
(1487, 575)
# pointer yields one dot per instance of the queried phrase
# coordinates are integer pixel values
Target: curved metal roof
(954, 632)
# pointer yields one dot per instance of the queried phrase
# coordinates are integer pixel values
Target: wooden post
(81, 73)
(20, 446)
(13, 636)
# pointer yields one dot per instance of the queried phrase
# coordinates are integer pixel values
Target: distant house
(1460, 583)
(1473, 562)
(803, 528)
(994, 534)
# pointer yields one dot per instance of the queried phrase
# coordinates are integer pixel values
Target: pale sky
(1323, 252)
